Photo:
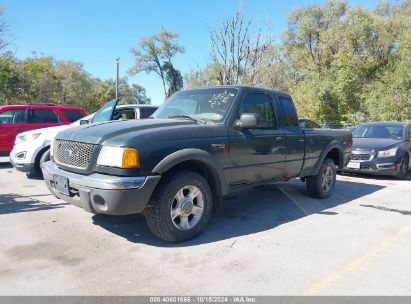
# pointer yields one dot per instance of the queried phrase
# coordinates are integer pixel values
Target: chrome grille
(72, 153)
(361, 156)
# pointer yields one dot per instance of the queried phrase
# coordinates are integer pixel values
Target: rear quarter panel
(317, 140)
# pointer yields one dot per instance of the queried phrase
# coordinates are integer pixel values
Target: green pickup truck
(198, 146)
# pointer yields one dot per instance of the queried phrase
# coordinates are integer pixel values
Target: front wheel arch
(199, 161)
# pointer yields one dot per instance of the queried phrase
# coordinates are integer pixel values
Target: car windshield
(208, 105)
(379, 131)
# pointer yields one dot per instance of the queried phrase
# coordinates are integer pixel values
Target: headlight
(388, 153)
(23, 138)
(118, 157)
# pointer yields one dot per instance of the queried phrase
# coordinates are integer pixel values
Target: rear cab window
(72, 115)
(289, 114)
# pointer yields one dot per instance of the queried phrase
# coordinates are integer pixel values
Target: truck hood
(375, 144)
(116, 133)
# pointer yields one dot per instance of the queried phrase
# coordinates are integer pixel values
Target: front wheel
(322, 185)
(180, 207)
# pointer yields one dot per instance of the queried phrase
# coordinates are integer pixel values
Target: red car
(15, 119)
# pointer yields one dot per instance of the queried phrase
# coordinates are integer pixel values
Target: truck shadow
(15, 203)
(246, 212)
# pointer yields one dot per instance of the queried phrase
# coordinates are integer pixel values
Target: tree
(155, 54)
(198, 77)
(173, 79)
(73, 82)
(139, 94)
(3, 31)
(11, 79)
(44, 79)
(349, 63)
(236, 50)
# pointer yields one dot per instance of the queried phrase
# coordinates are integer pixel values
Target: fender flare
(199, 155)
(332, 145)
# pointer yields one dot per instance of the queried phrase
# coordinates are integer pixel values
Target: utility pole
(117, 66)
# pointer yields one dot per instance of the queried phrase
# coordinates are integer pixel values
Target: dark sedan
(381, 148)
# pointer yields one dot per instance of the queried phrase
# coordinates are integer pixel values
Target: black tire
(163, 201)
(403, 170)
(316, 185)
(44, 158)
(36, 173)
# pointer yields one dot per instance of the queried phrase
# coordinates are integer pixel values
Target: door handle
(279, 139)
(19, 129)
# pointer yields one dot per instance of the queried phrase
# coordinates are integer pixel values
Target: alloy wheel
(187, 207)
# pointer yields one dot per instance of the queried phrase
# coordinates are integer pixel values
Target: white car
(32, 148)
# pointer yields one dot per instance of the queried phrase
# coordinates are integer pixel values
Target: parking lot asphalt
(271, 240)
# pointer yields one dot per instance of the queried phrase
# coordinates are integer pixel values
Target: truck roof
(247, 88)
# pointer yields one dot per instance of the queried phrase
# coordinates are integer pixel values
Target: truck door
(12, 122)
(294, 138)
(257, 153)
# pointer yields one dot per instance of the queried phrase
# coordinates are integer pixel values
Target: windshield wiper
(187, 117)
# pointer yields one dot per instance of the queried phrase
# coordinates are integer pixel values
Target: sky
(95, 32)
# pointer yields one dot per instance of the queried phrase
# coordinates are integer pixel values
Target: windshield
(379, 131)
(209, 105)
(106, 112)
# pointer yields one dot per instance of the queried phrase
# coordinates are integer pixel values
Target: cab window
(13, 117)
(260, 104)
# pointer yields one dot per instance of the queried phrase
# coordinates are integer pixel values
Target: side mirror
(248, 120)
(83, 122)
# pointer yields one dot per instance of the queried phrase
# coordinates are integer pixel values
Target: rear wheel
(403, 169)
(322, 185)
(180, 207)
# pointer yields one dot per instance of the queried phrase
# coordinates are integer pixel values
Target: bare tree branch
(237, 51)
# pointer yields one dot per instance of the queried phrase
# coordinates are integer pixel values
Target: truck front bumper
(100, 193)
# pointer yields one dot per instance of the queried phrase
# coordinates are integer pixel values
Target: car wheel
(44, 158)
(180, 207)
(36, 173)
(322, 185)
(403, 169)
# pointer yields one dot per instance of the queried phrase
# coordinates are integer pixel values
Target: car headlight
(118, 157)
(27, 137)
(388, 153)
